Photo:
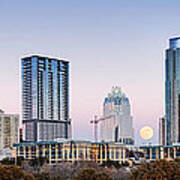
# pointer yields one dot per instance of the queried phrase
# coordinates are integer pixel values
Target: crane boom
(95, 122)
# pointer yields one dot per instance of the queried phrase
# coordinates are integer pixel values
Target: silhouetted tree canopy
(11, 172)
(158, 170)
(91, 174)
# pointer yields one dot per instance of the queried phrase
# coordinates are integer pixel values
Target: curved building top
(174, 43)
(45, 56)
(116, 96)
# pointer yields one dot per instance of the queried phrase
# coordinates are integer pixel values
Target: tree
(11, 161)
(160, 170)
(29, 177)
(12, 172)
(7, 161)
(37, 163)
(42, 176)
(109, 163)
(91, 174)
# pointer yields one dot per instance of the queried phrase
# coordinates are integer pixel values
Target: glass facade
(162, 131)
(172, 92)
(45, 98)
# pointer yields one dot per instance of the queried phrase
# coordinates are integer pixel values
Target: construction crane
(95, 122)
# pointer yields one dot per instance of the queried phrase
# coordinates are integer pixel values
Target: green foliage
(7, 161)
(37, 161)
(19, 161)
(91, 174)
(46, 176)
(29, 177)
(125, 164)
(109, 163)
(12, 161)
(40, 176)
(177, 160)
(12, 172)
(160, 170)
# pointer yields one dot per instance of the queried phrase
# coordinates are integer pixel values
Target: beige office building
(9, 124)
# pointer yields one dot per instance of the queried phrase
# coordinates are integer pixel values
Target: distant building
(172, 94)
(45, 98)
(162, 131)
(118, 128)
(9, 124)
(155, 152)
(6, 153)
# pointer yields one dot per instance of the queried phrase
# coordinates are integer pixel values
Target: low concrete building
(154, 152)
(71, 151)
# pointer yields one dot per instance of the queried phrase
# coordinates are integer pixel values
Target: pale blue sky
(108, 43)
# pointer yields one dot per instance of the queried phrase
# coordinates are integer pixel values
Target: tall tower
(162, 131)
(118, 128)
(172, 92)
(45, 98)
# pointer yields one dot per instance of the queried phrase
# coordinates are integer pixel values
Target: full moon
(146, 132)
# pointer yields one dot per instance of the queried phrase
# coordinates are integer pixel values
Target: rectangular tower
(9, 124)
(45, 98)
(172, 94)
(162, 131)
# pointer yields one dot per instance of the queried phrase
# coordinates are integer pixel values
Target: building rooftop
(66, 142)
(116, 95)
(45, 56)
(174, 42)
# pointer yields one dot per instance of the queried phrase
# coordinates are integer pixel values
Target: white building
(9, 125)
(119, 127)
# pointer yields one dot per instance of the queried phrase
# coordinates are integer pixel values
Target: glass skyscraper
(162, 131)
(118, 128)
(45, 98)
(172, 94)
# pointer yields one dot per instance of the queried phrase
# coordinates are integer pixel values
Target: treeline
(39, 169)
(158, 170)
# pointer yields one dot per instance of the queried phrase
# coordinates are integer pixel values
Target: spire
(117, 92)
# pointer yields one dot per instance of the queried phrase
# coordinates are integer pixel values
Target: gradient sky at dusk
(117, 42)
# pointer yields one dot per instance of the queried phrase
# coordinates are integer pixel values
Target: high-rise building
(172, 94)
(162, 131)
(45, 98)
(9, 124)
(119, 127)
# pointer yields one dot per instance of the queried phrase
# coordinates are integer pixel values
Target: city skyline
(120, 43)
